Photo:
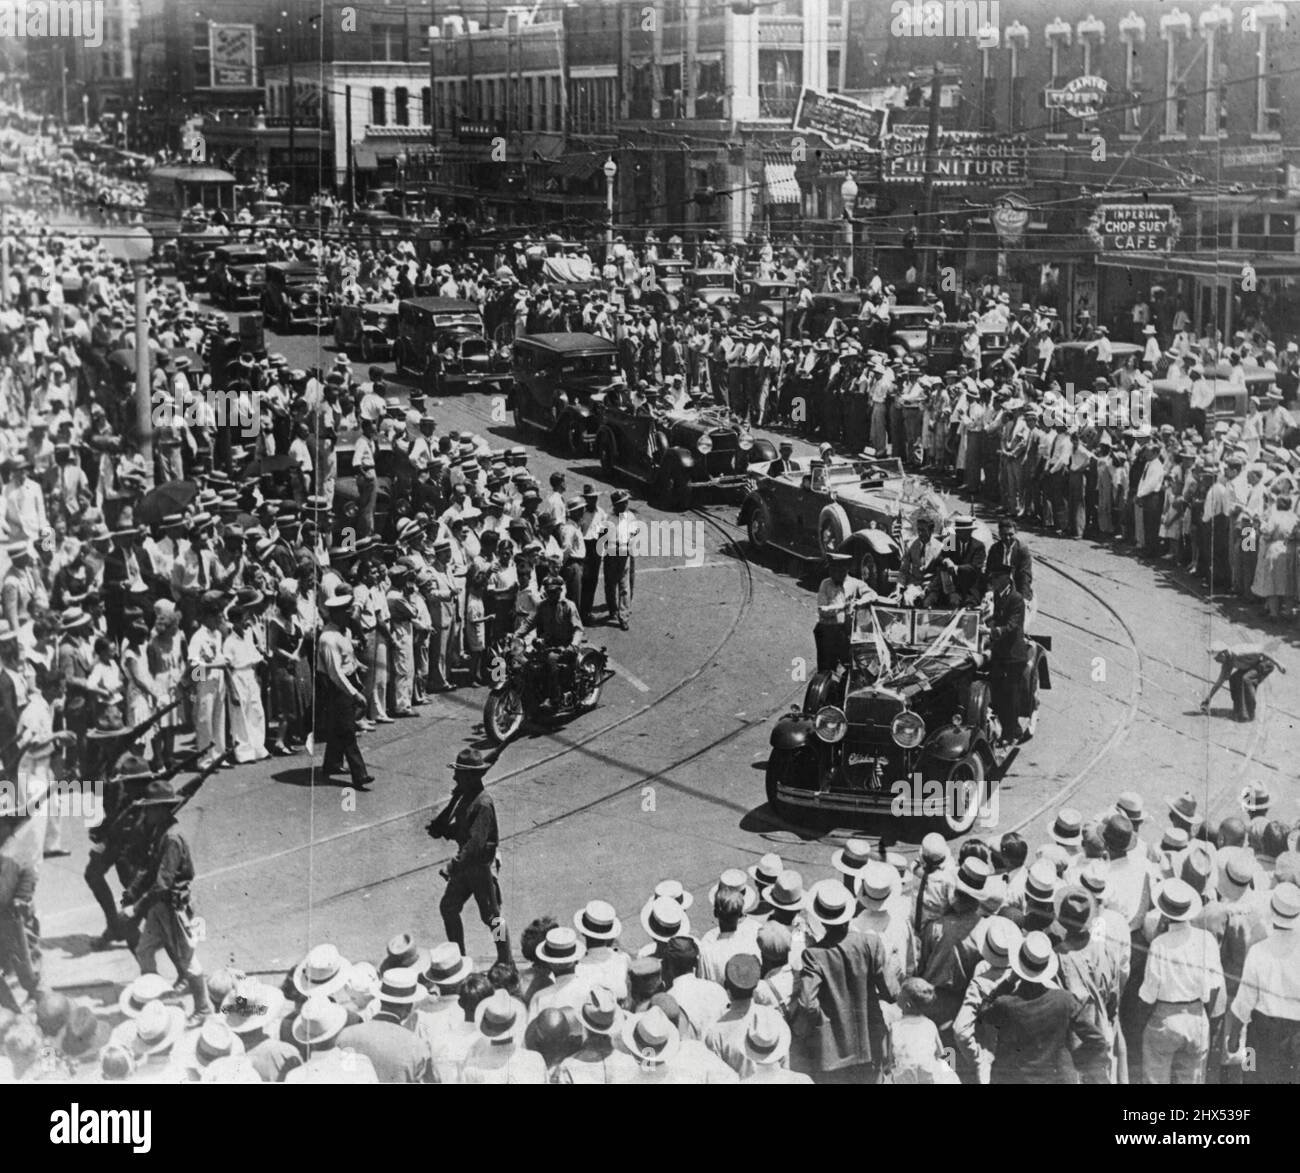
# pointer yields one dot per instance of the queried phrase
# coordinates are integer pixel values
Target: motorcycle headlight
(831, 724)
(907, 730)
(704, 445)
(745, 441)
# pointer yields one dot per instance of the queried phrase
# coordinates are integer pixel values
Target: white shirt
(1270, 979)
(1182, 966)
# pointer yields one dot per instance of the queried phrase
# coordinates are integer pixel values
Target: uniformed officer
(471, 821)
(160, 897)
(336, 667)
(559, 626)
(111, 843)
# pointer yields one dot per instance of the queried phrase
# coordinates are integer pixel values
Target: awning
(580, 167)
(366, 156)
(780, 184)
(1223, 269)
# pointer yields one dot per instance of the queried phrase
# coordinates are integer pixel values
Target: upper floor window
(378, 106)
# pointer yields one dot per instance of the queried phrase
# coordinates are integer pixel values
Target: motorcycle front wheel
(503, 713)
(591, 677)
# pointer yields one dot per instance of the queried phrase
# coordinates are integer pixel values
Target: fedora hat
(850, 859)
(767, 1037)
(1130, 805)
(322, 972)
(1067, 828)
(400, 986)
(498, 1018)
(828, 902)
(1184, 808)
(215, 1039)
(561, 947)
(319, 1021)
(147, 988)
(1117, 834)
(600, 1012)
(252, 1005)
(447, 967)
(1177, 900)
(663, 919)
(1002, 941)
(403, 953)
(153, 1031)
(159, 792)
(735, 878)
(1237, 867)
(1074, 906)
(786, 894)
(598, 921)
(765, 872)
(877, 885)
(1095, 879)
(471, 762)
(650, 1037)
(1035, 960)
(673, 890)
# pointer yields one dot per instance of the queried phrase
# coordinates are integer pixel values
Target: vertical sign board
(232, 52)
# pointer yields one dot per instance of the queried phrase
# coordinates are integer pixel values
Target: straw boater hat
(850, 859)
(1035, 960)
(400, 986)
(766, 871)
(153, 1031)
(786, 894)
(499, 1018)
(735, 878)
(447, 967)
(663, 919)
(1067, 828)
(598, 921)
(322, 972)
(1284, 907)
(673, 890)
(1002, 941)
(828, 903)
(147, 988)
(877, 885)
(1177, 900)
(215, 1039)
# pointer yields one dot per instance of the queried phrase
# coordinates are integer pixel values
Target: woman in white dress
(1275, 568)
(141, 690)
(244, 692)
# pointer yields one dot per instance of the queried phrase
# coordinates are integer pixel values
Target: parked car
(864, 508)
(943, 350)
(1229, 401)
(769, 302)
(389, 464)
(827, 306)
(556, 378)
(714, 290)
(907, 728)
(295, 296)
(678, 453)
(1074, 362)
(366, 330)
(238, 275)
(426, 325)
(909, 329)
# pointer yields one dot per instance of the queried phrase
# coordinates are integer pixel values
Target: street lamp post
(611, 170)
(134, 245)
(848, 197)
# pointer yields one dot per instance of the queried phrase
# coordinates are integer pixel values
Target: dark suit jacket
(1019, 564)
(836, 1017)
(968, 553)
(1007, 631)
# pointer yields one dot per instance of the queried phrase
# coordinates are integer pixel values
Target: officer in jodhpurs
(1008, 655)
(118, 843)
(471, 820)
(160, 897)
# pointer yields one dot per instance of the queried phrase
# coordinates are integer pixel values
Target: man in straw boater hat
(837, 1020)
(159, 897)
(336, 668)
(1044, 1033)
(389, 1040)
(1265, 1013)
(1183, 976)
(471, 820)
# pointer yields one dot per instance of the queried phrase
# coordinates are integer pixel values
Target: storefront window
(1281, 233)
(1250, 234)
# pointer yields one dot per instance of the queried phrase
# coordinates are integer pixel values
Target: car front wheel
(760, 527)
(963, 795)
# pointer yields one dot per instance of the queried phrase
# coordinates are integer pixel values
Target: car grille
(870, 715)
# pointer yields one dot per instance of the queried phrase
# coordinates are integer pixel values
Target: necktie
(203, 570)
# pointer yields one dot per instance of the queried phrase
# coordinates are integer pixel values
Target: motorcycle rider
(557, 622)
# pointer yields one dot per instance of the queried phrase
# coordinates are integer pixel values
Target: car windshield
(926, 631)
(446, 321)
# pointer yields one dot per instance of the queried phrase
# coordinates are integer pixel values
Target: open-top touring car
(677, 452)
(907, 727)
(864, 508)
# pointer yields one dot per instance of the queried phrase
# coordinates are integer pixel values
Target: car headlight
(831, 724)
(745, 441)
(704, 445)
(907, 730)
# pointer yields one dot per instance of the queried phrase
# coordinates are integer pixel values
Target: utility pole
(293, 154)
(924, 235)
(347, 135)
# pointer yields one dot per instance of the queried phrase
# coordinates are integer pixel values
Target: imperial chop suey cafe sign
(1135, 228)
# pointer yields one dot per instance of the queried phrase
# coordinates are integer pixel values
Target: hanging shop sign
(232, 54)
(1254, 155)
(1010, 216)
(1083, 97)
(961, 158)
(839, 120)
(1135, 228)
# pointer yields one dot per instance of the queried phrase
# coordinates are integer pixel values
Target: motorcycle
(521, 689)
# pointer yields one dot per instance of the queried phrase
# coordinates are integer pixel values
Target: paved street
(665, 779)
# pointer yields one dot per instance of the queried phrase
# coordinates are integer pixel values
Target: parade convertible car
(677, 453)
(907, 728)
(864, 508)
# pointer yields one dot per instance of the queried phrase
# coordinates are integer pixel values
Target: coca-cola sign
(1010, 216)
